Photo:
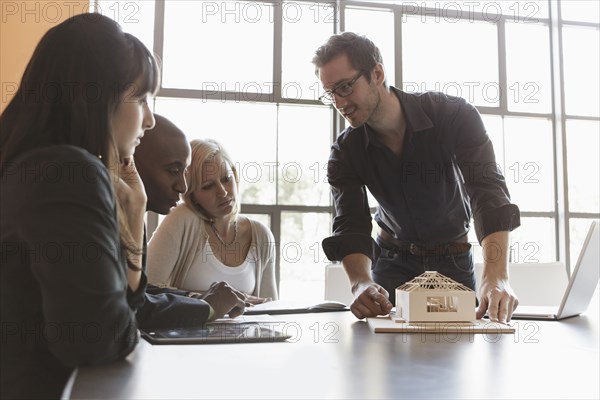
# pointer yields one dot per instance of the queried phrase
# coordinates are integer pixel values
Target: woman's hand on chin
(130, 189)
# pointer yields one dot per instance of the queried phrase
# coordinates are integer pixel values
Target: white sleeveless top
(207, 269)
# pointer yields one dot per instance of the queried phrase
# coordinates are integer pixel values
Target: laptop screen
(584, 278)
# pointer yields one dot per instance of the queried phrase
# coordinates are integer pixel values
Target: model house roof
(432, 280)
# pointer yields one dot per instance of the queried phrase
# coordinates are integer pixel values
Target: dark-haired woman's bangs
(145, 70)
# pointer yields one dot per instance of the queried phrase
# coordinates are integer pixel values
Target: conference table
(334, 355)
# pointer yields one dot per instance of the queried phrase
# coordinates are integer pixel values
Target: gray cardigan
(182, 237)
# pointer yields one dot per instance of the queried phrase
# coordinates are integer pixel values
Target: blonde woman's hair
(203, 151)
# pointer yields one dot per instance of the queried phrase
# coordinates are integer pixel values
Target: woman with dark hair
(72, 205)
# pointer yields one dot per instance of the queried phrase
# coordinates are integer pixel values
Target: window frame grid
(557, 116)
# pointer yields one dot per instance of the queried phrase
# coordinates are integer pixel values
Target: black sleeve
(484, 182)
(352, 222)
(170, 308)
(153, 289)
(69, 216)
(136, 299)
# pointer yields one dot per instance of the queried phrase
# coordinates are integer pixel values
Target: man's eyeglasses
(343, 89)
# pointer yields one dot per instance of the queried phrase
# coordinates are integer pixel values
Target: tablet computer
(216, 333)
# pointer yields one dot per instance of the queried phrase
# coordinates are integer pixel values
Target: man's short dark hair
(361, 51)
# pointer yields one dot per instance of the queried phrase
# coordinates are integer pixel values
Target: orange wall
(22, 25)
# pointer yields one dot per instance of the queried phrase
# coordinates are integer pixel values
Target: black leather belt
(420, 249)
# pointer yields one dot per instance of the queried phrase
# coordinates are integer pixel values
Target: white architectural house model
(433, 297)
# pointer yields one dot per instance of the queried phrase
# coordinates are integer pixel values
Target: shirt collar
(417, 119)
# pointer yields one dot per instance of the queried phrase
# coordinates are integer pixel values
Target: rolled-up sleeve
(484, 182)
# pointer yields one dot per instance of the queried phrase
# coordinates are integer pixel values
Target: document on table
(386, 324)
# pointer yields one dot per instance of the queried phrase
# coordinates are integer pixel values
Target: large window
(456, 57)
(240, 72)
(579, 30)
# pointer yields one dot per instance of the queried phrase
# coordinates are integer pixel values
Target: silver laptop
(580, 289)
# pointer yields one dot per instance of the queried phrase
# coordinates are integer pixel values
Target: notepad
(294, 307)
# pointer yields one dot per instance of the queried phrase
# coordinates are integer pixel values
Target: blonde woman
(205, 239)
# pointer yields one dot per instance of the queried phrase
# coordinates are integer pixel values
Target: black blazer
(65, 301)
(171, 308)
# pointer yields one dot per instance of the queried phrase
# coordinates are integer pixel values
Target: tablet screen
(216, 333)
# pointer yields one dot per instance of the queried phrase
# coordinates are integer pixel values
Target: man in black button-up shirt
(429, 163)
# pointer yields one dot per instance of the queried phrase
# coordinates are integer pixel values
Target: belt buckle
(413, 249)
